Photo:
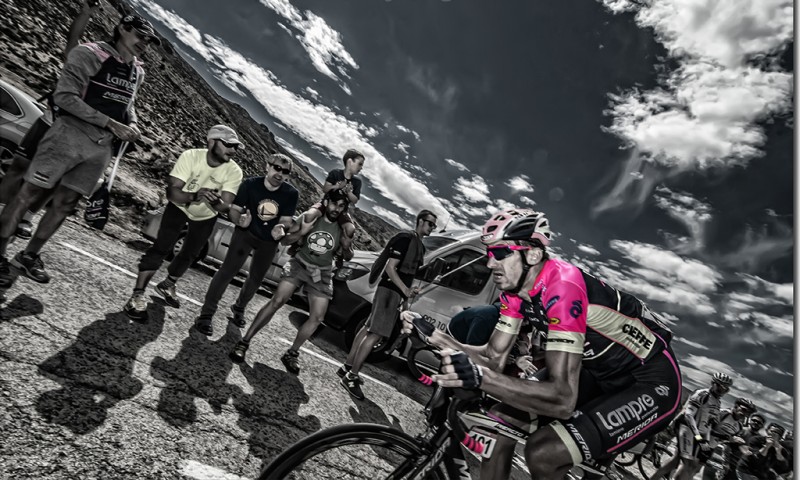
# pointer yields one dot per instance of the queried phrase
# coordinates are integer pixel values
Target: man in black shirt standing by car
(405, 255)
(262, 212)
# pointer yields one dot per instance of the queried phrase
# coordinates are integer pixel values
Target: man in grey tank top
(311, 267)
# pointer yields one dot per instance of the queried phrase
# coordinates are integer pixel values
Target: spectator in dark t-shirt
(262, 212)
(344, 180)
(405, 255)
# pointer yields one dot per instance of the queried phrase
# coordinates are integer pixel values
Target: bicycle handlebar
(459, 397)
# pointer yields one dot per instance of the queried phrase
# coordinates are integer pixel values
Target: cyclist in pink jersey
(612, 380)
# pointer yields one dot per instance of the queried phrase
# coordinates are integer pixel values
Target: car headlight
(350, 271)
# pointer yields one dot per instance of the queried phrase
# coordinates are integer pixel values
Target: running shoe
(203, 325)
(7, 276)
(30, 264)
(136, 308)
(238, 317)
(239, 351)
(352, 383)
(24, 229)
(342, 370)
(167, 290)
(289, 360)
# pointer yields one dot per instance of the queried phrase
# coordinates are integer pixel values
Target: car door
(453, 292)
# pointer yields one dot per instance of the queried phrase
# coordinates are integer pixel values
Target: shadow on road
(95, 371)
(269, 414)
(199, 370)
(22, 306)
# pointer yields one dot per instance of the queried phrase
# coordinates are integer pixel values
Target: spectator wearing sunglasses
(262, 212)
(346, 181)
(612, 382)
(202, 184)
(402, 257)
(95, 98)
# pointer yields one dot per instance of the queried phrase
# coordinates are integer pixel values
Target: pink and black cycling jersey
(613, 330)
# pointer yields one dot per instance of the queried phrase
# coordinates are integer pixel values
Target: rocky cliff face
(175, 108)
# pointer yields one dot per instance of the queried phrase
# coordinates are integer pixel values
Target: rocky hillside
(175, 108)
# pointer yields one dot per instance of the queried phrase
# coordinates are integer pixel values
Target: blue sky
(657, 136)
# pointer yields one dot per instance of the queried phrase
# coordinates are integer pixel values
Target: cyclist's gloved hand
(468, 372)
(413, 322)
(424, 329)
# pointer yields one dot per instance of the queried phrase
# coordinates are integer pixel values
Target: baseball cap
(224, 133)
(142, 26)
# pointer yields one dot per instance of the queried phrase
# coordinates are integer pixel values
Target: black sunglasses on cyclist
(501, 252)
(283, 170)
(234, 146)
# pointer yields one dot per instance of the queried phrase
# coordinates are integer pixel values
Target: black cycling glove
(424, 329)
(467, 371)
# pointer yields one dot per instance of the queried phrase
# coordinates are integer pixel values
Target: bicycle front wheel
(356, 451)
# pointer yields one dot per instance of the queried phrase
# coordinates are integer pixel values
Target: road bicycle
(455, 418)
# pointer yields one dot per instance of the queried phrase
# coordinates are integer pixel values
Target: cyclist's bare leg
(363, 349)
(498, 467)
(669, 466)
(282, 295)
(546, 455)
(317, 306)
(356, 342)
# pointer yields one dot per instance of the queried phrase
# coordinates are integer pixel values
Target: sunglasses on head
(234, 146)
(283, 170)
(501, 252)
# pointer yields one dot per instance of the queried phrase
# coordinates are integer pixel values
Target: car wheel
(383, 350)
(177, 248)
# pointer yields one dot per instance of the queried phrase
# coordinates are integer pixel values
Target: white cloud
(527, 200)
(520, 183)
(403, 147)
(322, 43)
(459, 166)
(669, 266)
(691, 212)
(588, 249)
(707, 112)
(696, 345)
(325, 130)
(314, 94)
(472, 190)
(390, 217)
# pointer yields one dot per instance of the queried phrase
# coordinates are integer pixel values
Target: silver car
(18, 111)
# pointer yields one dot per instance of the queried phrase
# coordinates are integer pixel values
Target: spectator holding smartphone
(203, 183)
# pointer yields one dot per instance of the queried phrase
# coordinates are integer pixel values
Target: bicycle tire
(339, 465)
(655, 460)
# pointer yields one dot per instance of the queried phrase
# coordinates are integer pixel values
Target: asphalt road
(86, 393)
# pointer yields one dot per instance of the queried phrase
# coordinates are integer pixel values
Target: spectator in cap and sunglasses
(203, 183)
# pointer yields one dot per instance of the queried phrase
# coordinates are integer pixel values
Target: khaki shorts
(68, 155)
(296, 273)
(385, 313)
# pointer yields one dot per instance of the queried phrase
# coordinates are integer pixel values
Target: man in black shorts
(262, 212)
(406, 253)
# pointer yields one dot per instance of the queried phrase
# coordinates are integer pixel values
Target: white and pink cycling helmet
(523, 225)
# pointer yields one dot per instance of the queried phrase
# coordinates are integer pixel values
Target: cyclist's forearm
(546, 398)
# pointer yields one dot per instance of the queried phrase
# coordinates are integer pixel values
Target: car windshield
(435, 243)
